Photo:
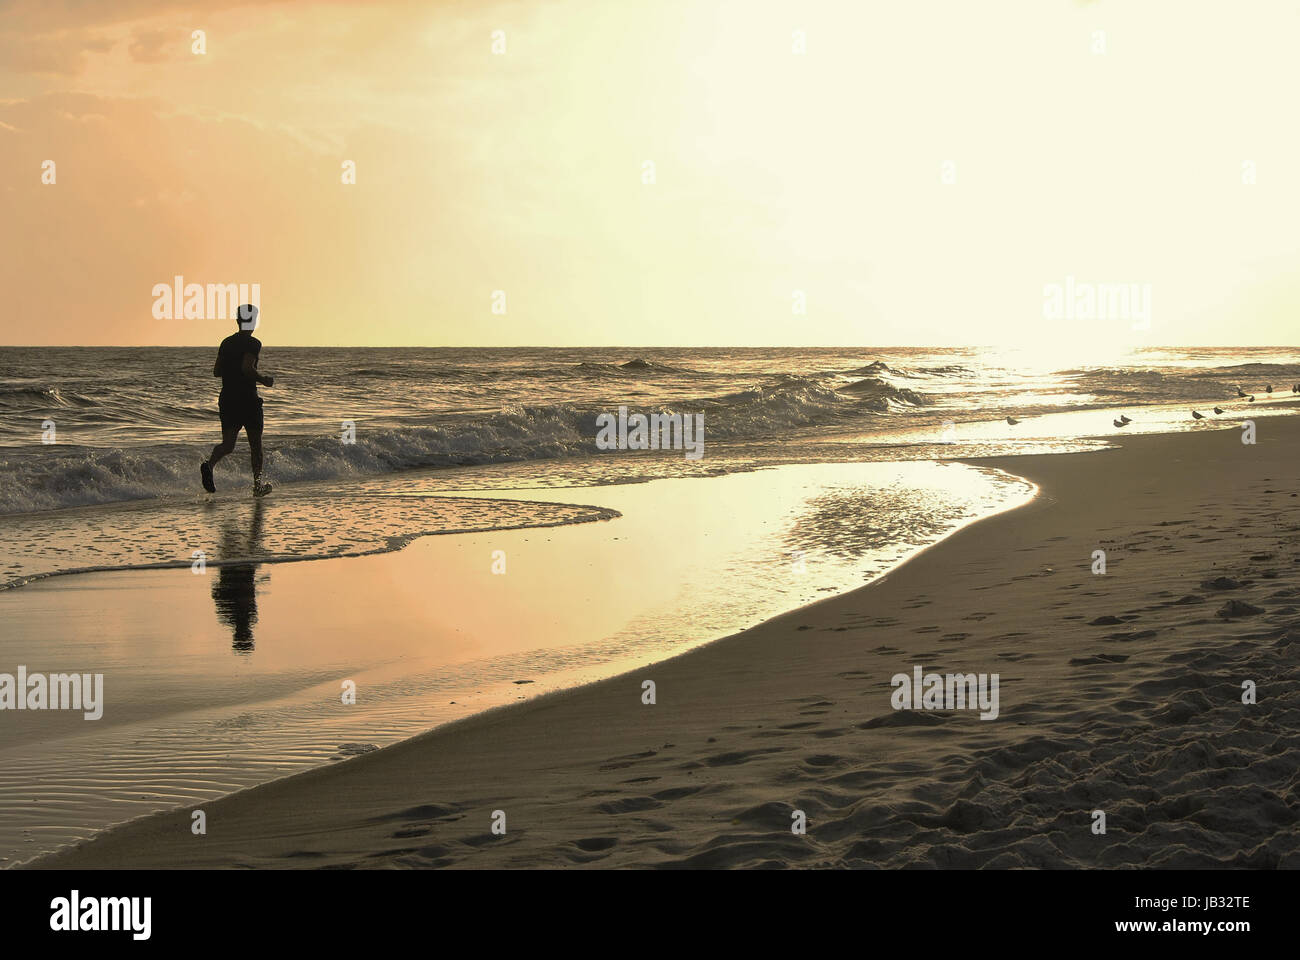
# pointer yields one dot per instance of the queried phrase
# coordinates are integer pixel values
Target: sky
(824, 172)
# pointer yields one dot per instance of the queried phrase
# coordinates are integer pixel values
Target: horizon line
(602, 346)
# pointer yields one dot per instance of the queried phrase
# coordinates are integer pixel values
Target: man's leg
(255, 453)
(229, 435)
(253, 430)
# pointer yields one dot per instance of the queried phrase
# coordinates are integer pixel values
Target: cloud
(50, 55)
(155, 46)
(49, 16)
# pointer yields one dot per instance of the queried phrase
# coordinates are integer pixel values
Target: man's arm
(216, 367)
(250, 371)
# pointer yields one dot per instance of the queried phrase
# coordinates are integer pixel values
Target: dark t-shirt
(235, 387)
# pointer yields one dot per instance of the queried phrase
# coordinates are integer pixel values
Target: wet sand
(1119, 692)
(221, 678)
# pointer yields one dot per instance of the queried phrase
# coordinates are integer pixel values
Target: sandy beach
(1119, 692)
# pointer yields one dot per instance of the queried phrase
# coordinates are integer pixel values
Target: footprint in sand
(823, 760)
(595, 844)
(737, 757)
(829, 734)
(627, 760)
(1238, 608)
(1221, 583)
(409, 832)
(629, 805)
(1128, 637)
(425, 812)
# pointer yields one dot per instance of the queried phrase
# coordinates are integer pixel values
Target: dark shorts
(241, 414)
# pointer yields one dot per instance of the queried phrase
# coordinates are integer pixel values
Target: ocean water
(132, 423)
(822, 469)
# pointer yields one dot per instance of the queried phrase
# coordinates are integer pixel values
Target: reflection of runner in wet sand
(234, 591)
(235, 594)
(240, 406)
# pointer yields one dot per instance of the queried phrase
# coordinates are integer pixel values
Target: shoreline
(539, 759)
(582, 514)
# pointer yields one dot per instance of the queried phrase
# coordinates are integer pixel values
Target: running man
(240, 406)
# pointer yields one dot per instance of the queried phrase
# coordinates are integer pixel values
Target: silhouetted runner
(240, 406)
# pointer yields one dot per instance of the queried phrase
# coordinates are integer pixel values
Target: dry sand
(1141, 717)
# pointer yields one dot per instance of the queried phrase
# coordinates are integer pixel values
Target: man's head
(246, 317)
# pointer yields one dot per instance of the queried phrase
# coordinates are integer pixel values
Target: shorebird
(1218, 409)
(1122, 423)
(1251, 398)
(1269, 388)
(1241, 392)
(1012, 420)
(1125, 418)
(1197, 416)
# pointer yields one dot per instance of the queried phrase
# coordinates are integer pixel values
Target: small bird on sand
(1124, 418)
(1269, 388)
(1218, 409)
(1241, 392)
(1121, 423)
(1197, 416)
(1251, 398)
(1012, 420)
